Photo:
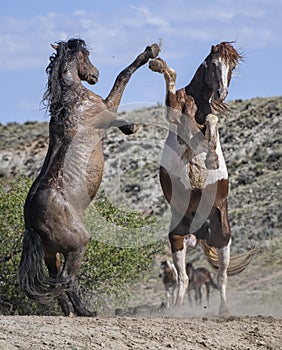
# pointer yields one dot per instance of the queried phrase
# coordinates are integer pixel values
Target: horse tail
(237, 263)
(31, 276)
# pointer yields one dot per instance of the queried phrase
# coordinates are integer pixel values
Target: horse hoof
(223, 312)
(157, 65)
(86, 313)
(129, 128)
(154, 50)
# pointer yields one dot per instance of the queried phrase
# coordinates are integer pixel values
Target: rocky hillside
(251, 140)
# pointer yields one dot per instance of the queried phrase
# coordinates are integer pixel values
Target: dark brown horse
(193, 173)
(197, 277)
(71, 174)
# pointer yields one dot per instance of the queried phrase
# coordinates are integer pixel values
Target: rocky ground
(251, 140)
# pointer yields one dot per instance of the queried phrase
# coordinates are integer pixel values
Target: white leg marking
(223, 260)
(168, 297)
(183, 280)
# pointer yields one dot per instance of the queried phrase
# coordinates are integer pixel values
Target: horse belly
(83, 172)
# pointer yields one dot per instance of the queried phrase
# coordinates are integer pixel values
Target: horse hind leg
(53, 264)
(168, 297)
(198, 295)
(223, 263)
(208, 293)
(71, 267)
(189, 292)
(179, 248)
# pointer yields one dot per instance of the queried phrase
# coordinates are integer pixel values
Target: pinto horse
(193, 173)
(71, 174)
(168, 274)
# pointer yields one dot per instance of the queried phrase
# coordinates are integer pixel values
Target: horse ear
(213, 49)
(55, 46)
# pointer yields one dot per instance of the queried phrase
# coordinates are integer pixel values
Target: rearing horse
(71, 174)
(193, 173)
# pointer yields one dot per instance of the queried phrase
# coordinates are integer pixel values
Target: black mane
(54, 98)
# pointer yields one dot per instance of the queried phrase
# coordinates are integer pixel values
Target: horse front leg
(112, 101)
(223, 263)
(211, 160)
(160, 66)
(115, 95)
(125, 127)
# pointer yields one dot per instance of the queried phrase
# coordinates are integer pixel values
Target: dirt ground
(255, 323)
(120, 333)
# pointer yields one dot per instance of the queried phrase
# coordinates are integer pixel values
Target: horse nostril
(96, 74)
(94, 77)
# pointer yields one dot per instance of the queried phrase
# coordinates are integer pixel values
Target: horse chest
(192, 172)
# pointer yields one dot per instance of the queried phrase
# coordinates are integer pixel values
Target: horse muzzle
(93, 78)
(221, 94)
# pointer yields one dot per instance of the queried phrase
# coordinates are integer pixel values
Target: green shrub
(121, 251)
(12, 196)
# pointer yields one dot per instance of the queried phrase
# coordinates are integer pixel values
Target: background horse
(168, 274)
(71, 174)
(193, 173)
(197, 277)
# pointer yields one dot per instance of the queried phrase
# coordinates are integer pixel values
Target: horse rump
(32, 278)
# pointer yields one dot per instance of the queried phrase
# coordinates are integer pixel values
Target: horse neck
(201, 93)
(190, 271)
(64, 92)
(71, 81)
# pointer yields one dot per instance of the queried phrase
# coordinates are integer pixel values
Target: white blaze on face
(224, 72)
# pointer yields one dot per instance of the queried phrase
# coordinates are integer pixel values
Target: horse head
(218, 68)
(75, 50)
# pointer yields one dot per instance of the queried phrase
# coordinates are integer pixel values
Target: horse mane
(55, 99)
(228, 53)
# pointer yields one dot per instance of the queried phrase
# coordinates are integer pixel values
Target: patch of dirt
(26, 332)
(255, 322)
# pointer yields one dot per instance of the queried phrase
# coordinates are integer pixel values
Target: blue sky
(117, 31)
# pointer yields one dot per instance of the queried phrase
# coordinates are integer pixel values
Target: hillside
(251, 140)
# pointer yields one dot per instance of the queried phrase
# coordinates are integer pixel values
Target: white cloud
(182, 26)
(148, 18)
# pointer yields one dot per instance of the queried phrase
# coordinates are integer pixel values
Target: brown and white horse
(193, 173)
